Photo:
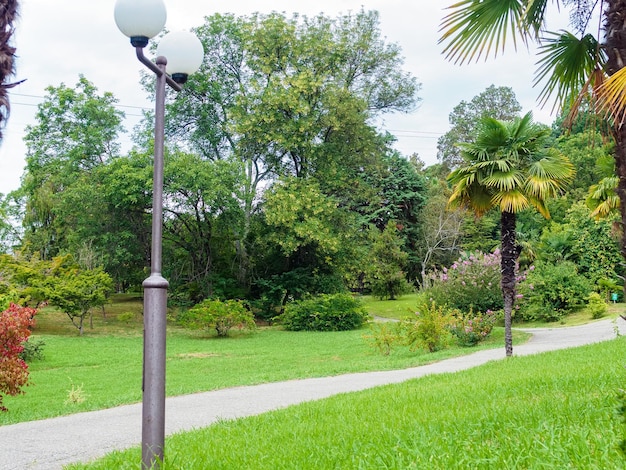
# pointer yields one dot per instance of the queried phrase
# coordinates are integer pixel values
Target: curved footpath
(52, 443)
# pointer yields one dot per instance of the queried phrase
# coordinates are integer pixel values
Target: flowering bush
(472, 282)
(472, 328)
(15, 325)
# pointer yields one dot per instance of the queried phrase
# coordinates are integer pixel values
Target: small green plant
(471, 328)
(429, 329)
(219, 315)
(33, 350)
(384, 336)
(75, 395)
(596, 305)
(327, 312)
(126, 317)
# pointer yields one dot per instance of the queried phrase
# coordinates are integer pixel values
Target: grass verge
(549, 411)
(101, 369)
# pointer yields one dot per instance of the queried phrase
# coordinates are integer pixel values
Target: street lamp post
(141, 20)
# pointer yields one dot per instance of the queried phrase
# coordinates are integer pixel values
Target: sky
(58, 40)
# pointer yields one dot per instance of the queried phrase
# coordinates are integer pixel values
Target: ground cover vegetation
(565, 414)
(284, 201)
(197, 360)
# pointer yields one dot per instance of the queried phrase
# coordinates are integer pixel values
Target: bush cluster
(429, 329)
(472, 327)
(327, 312)
(596, 305)
(472, 282)
(552, 291)
(219, 315)
(15, 325)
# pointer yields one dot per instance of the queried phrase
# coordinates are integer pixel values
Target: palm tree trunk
(8, 14)
(507, 266)
(615, 29)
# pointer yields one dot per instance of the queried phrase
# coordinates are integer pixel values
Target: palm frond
(504, 181)
(566, 62)
(511, 201)
(535, 17)
(602, 198)
(612, 96)
(476, 27)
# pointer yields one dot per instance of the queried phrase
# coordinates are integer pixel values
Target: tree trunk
(8, 15)
(509, 257)
(615, 28)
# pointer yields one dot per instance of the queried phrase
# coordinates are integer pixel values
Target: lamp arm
(152, 66)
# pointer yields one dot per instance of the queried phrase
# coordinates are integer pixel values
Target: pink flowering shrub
(472, 282)
(471, 328)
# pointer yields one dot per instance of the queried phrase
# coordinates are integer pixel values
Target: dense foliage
(471, 283)
(552, 291)
(330, 312)
(219, 315)
(15, 325)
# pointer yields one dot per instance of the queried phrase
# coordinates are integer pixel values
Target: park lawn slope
(102, 371)
(548, 411)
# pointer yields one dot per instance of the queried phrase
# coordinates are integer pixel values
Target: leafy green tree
(75, 132)
(290, 97)
(509, 166)
(388, 260)
(496, 102)
(571, 65)
(76, 291)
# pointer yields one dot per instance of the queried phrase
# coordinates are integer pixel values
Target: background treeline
(278, 182)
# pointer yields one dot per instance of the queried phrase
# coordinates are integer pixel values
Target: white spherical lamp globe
(184, 54)
(140, 20)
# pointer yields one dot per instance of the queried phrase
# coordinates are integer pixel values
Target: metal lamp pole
(186, 54)
(155, 292)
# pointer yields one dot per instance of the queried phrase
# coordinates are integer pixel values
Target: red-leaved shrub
(15, 325)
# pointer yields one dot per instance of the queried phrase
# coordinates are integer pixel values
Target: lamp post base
(153, 410)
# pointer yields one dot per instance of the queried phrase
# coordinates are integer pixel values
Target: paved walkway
(52, 443)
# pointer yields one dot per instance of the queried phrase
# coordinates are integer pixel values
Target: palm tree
(8, 14)
(572, 65)
(509, 166)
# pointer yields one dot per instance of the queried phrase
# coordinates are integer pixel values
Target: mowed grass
(102, 368)
(556, 410)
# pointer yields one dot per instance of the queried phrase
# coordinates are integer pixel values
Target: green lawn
(102, 368)
(550, 411)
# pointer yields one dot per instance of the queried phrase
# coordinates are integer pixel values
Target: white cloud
(58, 40)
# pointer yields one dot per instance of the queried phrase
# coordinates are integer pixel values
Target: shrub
(552, 291)
(15, 325)
(471, 328)
(429, 329)
(327, 312)
(472, 282)
(596, 305)
(222, 316)
(384, 336)
(33, 349)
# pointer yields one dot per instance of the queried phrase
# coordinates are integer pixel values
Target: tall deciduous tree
(76, 132)
(572, 65)
(496, 102)
(290, 97)
(509, 166)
